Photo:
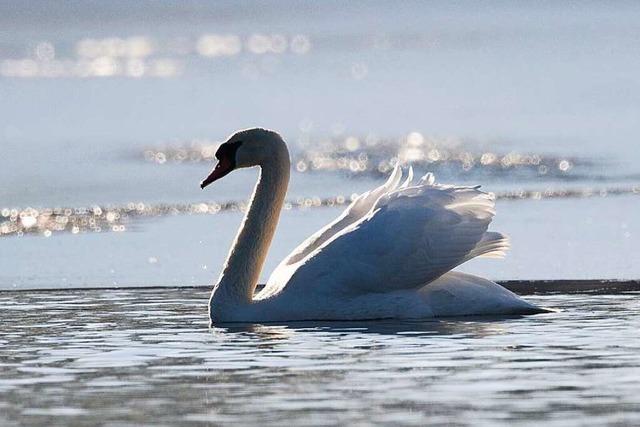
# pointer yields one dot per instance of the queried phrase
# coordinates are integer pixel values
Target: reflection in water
(147, 355)
(464, 326)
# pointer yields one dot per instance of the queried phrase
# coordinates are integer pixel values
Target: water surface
(122, 357)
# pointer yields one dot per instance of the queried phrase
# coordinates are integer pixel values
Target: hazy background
(96, 99)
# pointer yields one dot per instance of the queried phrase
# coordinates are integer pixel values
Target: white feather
(409, 237)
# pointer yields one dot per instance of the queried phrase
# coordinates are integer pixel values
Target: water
(109, 112)
(122, 357)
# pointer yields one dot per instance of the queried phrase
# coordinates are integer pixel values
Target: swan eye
(228, 150)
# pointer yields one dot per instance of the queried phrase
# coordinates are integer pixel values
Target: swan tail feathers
(492, 245)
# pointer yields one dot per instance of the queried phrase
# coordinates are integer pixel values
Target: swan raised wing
(409, 237)
(358, 208)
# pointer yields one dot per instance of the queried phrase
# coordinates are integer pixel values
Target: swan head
(245, 149)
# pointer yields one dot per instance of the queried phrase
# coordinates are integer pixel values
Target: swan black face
(226, 156)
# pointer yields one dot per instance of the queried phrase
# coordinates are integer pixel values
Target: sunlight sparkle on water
(375, 156)
(144, 56)
(96, 219)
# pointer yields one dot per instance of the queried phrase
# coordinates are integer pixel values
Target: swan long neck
(244, 263)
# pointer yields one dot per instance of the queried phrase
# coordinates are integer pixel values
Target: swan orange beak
(223, 167)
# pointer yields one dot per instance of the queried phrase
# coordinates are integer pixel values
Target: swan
(389, 255)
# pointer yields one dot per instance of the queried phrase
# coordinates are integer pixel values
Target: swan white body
(388, 255)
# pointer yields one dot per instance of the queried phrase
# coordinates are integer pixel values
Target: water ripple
(114, 356)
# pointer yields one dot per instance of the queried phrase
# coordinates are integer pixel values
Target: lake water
(109, 114)
(131, 357)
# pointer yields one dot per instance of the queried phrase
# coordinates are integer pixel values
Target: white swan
(388, 255)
